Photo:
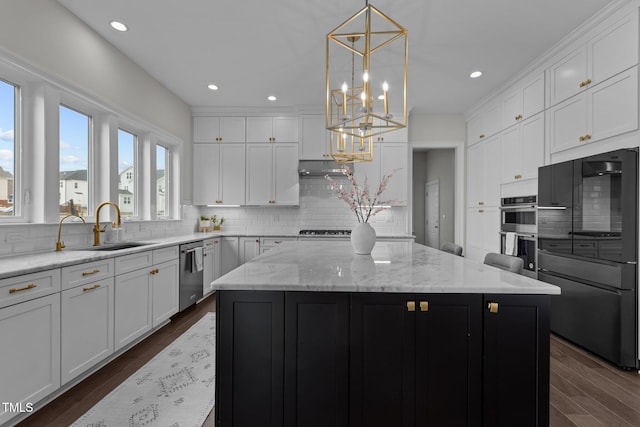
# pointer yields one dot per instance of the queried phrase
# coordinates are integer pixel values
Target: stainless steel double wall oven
(518, 222)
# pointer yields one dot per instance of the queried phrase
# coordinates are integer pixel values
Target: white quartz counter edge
(393, 267)
(31, 263)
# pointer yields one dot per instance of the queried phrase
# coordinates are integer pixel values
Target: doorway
(432, 213)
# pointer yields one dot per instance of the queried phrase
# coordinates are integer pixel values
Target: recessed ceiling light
(119, 26)
(212, 87)
(475, 74)
(271, 98)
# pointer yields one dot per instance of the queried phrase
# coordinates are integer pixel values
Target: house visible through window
(8, 102)
(74, 161)
(161, 178)
(126, 173)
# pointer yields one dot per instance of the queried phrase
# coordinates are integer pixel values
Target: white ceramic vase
(363, 238)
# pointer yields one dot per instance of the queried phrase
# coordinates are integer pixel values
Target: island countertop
(393, 267)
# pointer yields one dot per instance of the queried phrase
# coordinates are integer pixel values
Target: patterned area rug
(174, 389)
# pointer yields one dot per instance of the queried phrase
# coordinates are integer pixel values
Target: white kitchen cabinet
(613, 48)
(219, 129)
(229, 258)
(483, 173)
(248, 248)
(164, 291)
(30, 337)
(272, 174)
(133, 310)
(86, 326)
(522, 150)
(485, 123)
(606, 110)
(212, 259)
(87, 272)
(267, 243)
(483, 232)
(387, 156)
(14, 290)
(314, 138)
(218, 174)
(523, 101)
(272, 129)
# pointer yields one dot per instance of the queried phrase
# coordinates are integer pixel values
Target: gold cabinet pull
(154, 271)
(481, 135)
(587, 137)
(90, 288)
(277, 241)
(424, 305)
(481, 203)
(585, 82)
(411, 306)
(480, 210)
(493, 307)
(89, 273)
(14, 290)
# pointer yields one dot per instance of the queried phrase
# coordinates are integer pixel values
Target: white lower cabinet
(483, 232)
(133, 312)
(164, 291)
(267, 243)
(211, 259)
(86, 327)
(30, 342)
(229, 258)
(248, 248)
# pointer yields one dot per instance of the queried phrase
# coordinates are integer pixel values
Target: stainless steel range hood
(320, 168)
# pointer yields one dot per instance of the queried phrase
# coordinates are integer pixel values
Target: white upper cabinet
(483, 173)
(218, 174)
(315, 138)
(272, 129)
(218, 129)
(522, 149)
(613, 48)
(523, 101)
(603, 111)
(485, 123)
(272, 174)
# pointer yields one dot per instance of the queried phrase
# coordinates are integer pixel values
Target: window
(126, 173)
(8, 102)
(161, 176)
(74, 161)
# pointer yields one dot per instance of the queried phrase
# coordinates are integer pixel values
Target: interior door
(432, 214)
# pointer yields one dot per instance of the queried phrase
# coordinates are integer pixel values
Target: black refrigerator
(588, 246)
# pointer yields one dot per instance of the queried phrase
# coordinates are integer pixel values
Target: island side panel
(316, 382)
(250, 351)
(516, 360)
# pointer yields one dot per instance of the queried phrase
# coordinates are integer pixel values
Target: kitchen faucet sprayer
(96, 228)
(60, 243)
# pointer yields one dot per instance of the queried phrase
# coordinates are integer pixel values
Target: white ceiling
(254, 48)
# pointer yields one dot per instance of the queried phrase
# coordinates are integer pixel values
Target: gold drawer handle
(154, 271)
(493, 307)
(91, 288)
(89, 273)
(481, 203)
(585, 83)
(480, 210)
(424, 305)
(481, 135)
(277, 241)
(14, 290)
(411, 306)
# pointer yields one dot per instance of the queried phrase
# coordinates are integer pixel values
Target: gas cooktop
(325, 232)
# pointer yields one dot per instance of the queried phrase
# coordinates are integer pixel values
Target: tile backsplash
(319, 209)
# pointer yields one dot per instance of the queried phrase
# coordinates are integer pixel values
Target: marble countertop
(393, 267)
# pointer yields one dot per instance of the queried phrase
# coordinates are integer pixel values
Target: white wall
(44, 37)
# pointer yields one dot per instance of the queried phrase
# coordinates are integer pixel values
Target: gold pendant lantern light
(366, 83)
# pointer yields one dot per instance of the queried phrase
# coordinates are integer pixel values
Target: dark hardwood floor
(585, 390)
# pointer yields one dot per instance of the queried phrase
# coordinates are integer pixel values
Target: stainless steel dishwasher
(191, 273)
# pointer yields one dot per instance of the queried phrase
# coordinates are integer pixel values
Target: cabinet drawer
(267, 243)
(80, 274)
(133, 262)
(28, 286)
(210, 243)
(165, 254)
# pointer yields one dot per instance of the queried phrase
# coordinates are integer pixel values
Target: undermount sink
(117, 246)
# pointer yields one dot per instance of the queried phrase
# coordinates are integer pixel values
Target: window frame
(137, 193)
(9, 77)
